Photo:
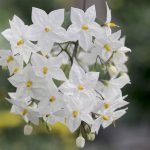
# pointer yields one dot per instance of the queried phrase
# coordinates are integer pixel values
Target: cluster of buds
(67, 68)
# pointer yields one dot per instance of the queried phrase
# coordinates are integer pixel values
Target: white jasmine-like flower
(14, 63)
(79, 108)
(28, 84)
(114, 85)
(106, 118)
(28, 129)
(79, 81)
(17, 35)
(84, 27)
(109, 24)
(80, 142)
(46, 28)
(24, 107)
(49, 68)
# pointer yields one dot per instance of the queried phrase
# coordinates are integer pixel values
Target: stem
(64, 50)
(74, 55)
(84, 5)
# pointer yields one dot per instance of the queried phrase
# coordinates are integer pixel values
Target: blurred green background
(133, 130)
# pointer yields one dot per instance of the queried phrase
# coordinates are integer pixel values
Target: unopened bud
(91, 136)
(80, 142)
(112, 71)
(28, 129)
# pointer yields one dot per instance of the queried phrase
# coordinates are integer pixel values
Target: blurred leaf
(9, 120)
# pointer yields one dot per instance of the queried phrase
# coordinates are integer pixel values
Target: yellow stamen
(20, 42)
(16, 70)
(29, 83)
(24, 112)
(107, 47)
(85, 27)
(80, 87)
(106, 105)
(111, 25)
(47, 29)
(52, 99)
(45, 70)
(75, 114)
(10, 59)
(106, 118)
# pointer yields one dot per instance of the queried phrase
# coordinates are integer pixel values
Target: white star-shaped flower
(28, 84)
(47, 28)
(84, 27)
(49, 68)
(79, 81)
(17, 35)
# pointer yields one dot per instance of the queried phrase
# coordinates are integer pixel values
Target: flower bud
(91, 136)
(80, 142)
(112, 71)
(28, 129)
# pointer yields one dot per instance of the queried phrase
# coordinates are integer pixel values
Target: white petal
(108, 14)
(77, 16)
(73, 124)
(91, 14)
(87, 118)
(58, 74)
(39, 16)
(85, 41)
(8, 34)
(118, 114)
(57, 17)
(76, 73)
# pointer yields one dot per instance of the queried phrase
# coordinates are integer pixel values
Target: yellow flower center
(16, 70)
(29, 83)
(45, 70)
(75, 114)
(80, 87)
(24, 112)
(107, 47)
(85, 27)
(10, 59)
(52, 99)
(106, 105)
(111, 25)
(106, 118)
(47, 29)
(20, 42)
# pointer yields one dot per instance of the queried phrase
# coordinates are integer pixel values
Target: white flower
(109, 24)
(51, 106)
(17, 35)
(106, 45)
(24, 107)
(114, 85)
(80, 142)
(49, 68)
(28, 84)
(106, 118)
(79, 81)
(78, 109)
(14, 63)
(84, 27)
(46, 28)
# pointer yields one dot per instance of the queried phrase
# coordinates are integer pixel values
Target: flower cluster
(68, 69)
